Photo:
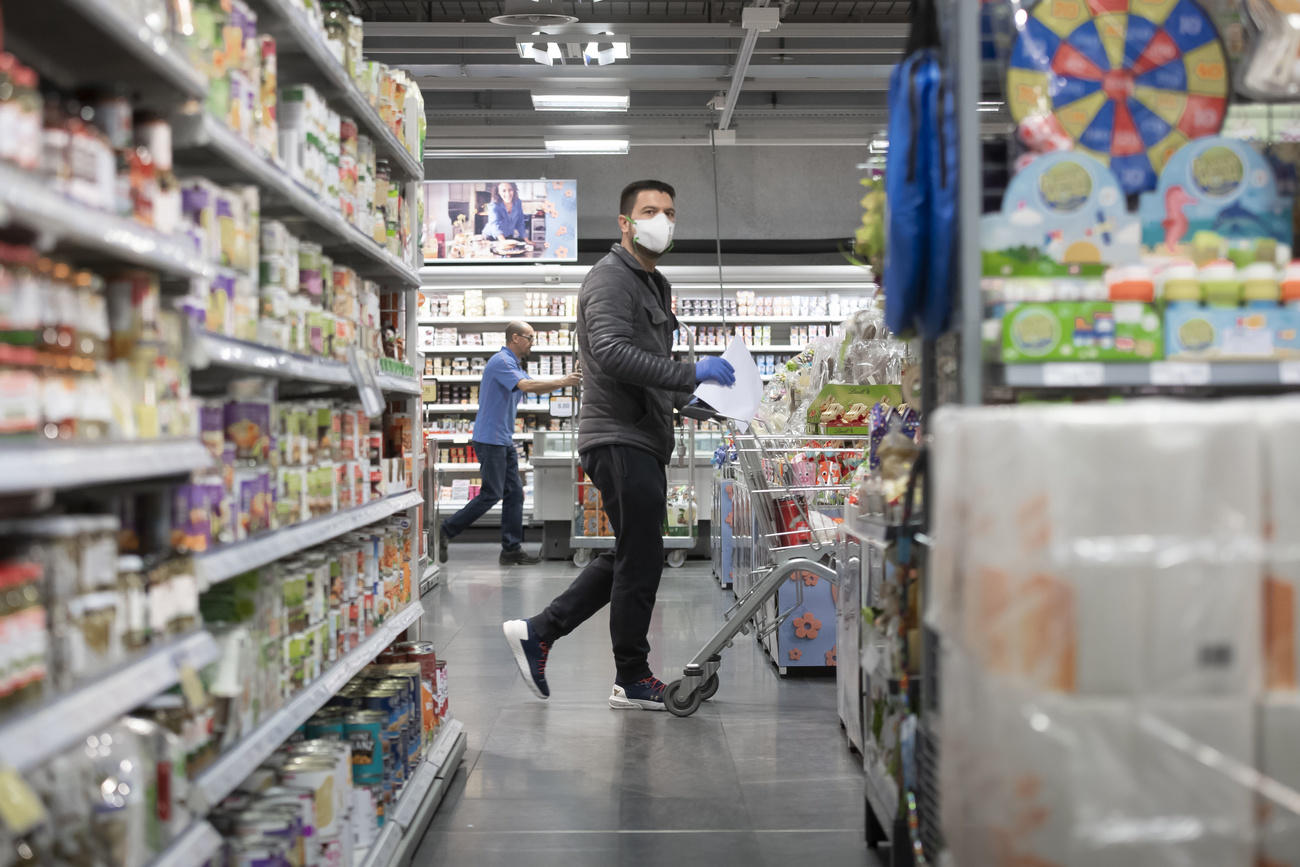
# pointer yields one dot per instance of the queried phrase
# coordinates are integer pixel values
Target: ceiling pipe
(755, 19)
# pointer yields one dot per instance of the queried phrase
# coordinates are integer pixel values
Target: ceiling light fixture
(575, 101)
(604, 53)
(587, 146)
(540, 52)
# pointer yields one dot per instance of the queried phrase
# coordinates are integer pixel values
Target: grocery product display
(212, 548)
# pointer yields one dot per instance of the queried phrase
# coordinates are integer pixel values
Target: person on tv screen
(506, 218)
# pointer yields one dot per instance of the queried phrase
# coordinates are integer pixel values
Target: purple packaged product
(195, 199)
(191, 520)
(254, 489)
(212, 430)
(228, 467)
(213, 496)
(248, 426)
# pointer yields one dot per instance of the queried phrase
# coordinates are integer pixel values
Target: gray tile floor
(759, 776)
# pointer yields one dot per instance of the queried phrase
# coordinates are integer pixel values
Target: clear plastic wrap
(1116, 590)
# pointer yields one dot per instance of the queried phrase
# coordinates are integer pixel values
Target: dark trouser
(635, 487)
(499, 471)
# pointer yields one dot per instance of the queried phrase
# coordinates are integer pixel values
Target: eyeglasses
(529, 337)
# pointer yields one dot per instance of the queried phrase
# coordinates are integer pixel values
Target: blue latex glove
(714, 369)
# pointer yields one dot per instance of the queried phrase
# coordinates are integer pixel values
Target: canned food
(319, 775)
(364, 731)
(325, 725)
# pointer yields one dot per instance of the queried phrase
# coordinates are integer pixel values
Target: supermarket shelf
(234, 766)
(448, 506)
(1188, 374)
(202, 141)
(460, 438)
(473, 407)
(196, 845)
(94, 41)
(454, 377)
(60, 723)
(752, 349)
(475, 349)
(25, 199)
(473, 468)
(399, 384)
(764, 320)
(494, 320)
(683, 318)
(231, 560)
(419, 801)
(37, 466)
(228, 352)
(304, 56)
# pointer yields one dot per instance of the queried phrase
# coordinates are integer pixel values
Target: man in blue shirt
(504, 382)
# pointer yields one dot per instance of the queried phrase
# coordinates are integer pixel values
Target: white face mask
(655, 234)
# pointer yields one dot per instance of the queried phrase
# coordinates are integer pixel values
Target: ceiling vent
(533, 13)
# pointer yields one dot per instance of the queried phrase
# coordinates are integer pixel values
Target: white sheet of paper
(739, 401)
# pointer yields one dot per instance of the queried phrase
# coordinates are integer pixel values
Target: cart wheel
(581, 557)
(679, 705)
(710, 688)
(676, 558)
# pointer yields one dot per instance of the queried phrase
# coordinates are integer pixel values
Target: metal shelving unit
(1189, 374)
(203, 142)
(473, 407)
(304, 56)
(25, 200)
(44, 465)
(236, 559)
(227, 772)
(61, 722)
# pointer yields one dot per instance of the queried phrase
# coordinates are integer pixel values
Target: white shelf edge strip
(685, 318)
(231, 560)
(153, 49)
(400, 384)
(233, 767)
(58, 725)
(63, 465)
(25, 199)
(196, 845)
(237, 354)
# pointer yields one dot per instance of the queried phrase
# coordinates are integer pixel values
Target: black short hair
(627, 201)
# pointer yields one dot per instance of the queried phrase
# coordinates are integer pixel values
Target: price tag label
(1180, 373)
(1288, 372)
(20, 808)
(1073, 375)
(561, 407)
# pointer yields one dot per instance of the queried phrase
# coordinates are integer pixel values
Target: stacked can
(422, 654)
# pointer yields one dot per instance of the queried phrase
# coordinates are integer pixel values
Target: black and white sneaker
(530, 655)
(647, 694)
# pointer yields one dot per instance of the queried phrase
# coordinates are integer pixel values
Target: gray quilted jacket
(630, 382)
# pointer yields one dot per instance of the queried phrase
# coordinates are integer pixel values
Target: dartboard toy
(1129, 81)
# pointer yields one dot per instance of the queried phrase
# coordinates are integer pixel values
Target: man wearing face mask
(625, 440)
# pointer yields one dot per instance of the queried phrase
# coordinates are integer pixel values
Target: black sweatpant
(634, 484)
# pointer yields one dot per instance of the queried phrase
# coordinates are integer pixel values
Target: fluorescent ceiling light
(580, 101)
(604, 53)
(540, 52)
(587, 146)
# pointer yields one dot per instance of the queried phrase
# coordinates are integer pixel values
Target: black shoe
(518, 558)
(442, 548)
(530, 655)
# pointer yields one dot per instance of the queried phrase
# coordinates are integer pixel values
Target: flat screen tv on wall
(500, 220)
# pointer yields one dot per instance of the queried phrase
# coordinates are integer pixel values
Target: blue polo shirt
(498, 399)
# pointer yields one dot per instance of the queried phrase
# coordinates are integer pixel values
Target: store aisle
(759, 776)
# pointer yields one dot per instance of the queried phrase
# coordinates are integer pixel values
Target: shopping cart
(791, 537)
